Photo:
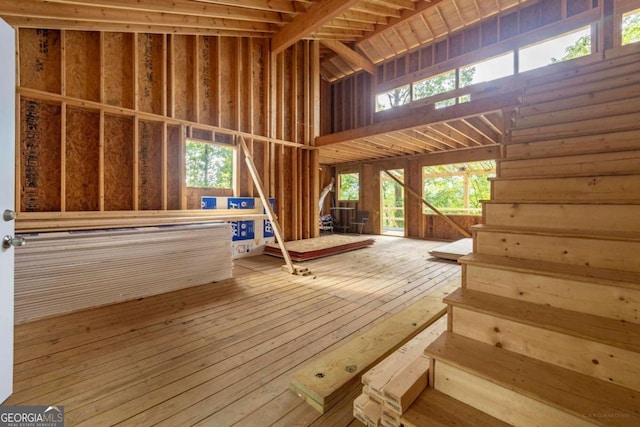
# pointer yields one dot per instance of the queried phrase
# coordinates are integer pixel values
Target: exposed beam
(66, 12)
(307, 23)
(282, 6)
(183, 7)
(421, 118)
(350, 55)
(26, 22)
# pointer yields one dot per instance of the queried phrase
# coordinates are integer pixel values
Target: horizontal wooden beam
(281, 6)
(423, 118)
(350, 55)
(183, 7)
(38, 10)
(307, 23)
(60, 24)
(96, 106)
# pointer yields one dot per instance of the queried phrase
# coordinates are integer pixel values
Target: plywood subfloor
(220, 354)
(303, 250)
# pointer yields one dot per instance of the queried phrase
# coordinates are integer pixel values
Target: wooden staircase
(546, 327)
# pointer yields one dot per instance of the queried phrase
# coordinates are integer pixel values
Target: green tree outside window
(208, 165)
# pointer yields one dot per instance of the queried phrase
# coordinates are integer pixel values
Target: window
(558, 49)
(458, 188)
(349, 186)
(435, 85)
(393, 98)
(631, 27)
(487, 70)
(209, 165)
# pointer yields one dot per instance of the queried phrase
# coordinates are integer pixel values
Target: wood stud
(171, 112)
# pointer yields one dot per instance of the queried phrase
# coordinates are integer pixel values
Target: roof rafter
(307, 23)
(350, 55)
(183, 7)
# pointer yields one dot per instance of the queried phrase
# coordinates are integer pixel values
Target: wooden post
(267, 206)
(433, 208)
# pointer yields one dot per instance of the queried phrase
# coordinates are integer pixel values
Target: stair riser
(604, 300)
(598, 253)
(564, 217)
(498, 401)
(557, 113)
(617, 163)
(625, 188)
(585, 127)
(600, 143)
(598, 360)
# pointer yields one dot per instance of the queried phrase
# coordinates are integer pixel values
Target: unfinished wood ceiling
(470, 132)
(373, 30)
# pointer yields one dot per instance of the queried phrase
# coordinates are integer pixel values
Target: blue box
(207, 202)
(243, 230)
(267, 228)
(241, 203)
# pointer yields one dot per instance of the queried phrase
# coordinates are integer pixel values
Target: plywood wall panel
(40, 153)
(183, 51)
(118, 69)
(530, 17)
(40, 59)
(150, 165)
(206, 80)
(259, 62)
(174, 167)
(82, 153)
(151, 65)
(228, 79)
(437, 228)
(118, 163)
(82, 64)
(551, 11)
(193, 195)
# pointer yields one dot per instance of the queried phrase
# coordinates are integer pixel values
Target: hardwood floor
(219, 354)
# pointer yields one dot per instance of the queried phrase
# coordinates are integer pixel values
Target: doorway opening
(392, 204)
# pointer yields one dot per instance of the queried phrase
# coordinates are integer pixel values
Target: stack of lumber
(390, 387)
(325, 381)
(303, 250)
(61, 272)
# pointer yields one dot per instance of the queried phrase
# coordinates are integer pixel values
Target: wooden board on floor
(320, 383)
(454, 250)
(302, 250)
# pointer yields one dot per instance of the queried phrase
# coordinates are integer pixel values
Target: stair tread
(616, 333)
(579, 394)
(587, 234)
(434, 408)
(609, 154)
(558, 177)
(560, 203)
(627, 279)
